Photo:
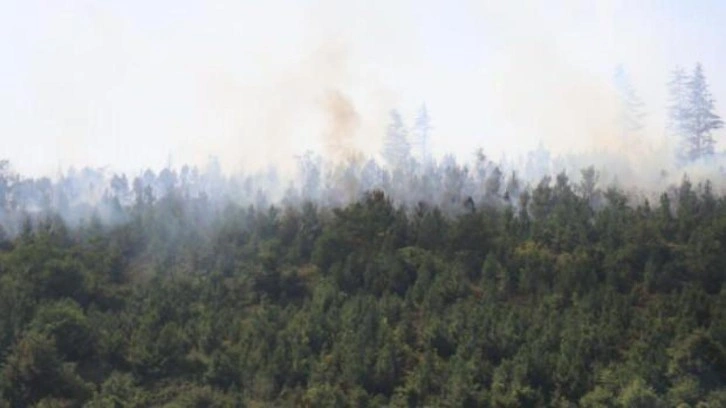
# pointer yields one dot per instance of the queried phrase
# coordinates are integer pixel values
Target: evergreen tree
(422, 133)
(678, 103)
(630, 115)
(700, 119)
(396, 149)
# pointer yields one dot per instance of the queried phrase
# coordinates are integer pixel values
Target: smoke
(311, 104)
(567, 109)
(136, 86)
(343, 124)
(549, 79)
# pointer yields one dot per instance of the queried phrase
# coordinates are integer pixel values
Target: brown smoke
(342, 125)
(315, 103)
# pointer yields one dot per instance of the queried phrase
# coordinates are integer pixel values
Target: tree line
(691, 119)
(691, 115)
(575, 296)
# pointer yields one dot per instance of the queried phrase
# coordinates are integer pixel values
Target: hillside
(543, 302)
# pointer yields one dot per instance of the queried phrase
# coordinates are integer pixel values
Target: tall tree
(677, 103)
(700, 120)
(422, 133)
(630, 114)
(396, 149)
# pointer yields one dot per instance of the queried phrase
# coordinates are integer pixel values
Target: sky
(136, 84)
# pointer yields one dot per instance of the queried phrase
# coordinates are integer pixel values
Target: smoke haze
(131, 85)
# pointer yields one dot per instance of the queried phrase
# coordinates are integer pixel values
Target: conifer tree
(692, 114)
(396, 149)
(677, 103)
(422, 134)
(630, 115)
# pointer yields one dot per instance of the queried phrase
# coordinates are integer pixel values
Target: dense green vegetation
(543, 303)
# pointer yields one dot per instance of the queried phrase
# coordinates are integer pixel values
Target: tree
(677, 103)
(422, 133)
(630, 115)
(65, 322)
(396, 149)
(588, 184)
(34, 370)
(699, 120)
(118, 390)
(493, 183)
(120, 187)
(639, 394)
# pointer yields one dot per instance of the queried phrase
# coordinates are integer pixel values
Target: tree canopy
(566, 296)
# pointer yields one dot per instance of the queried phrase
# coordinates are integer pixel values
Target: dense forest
(411, 282)
(494, 204)
(567, 295)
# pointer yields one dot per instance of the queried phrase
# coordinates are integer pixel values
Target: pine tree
(678, 103)
(422, 133)
(700, 119)
(631, 113)
(396, 149)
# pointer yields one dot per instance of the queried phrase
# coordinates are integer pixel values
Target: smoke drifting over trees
(692, 114)
(407, 171)
(423, 284)
(539, 232)
(221, 82)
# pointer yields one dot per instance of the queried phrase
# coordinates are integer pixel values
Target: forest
(413, 282)
(563, 294)
(496, 204)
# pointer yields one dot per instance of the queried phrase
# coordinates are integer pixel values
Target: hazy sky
(131, 83)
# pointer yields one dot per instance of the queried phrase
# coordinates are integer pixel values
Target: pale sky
(129, 84)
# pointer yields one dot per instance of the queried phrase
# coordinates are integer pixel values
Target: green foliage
(553, 303)
(68, 325)
(34, 370)
(638, 395)
(118, 390)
